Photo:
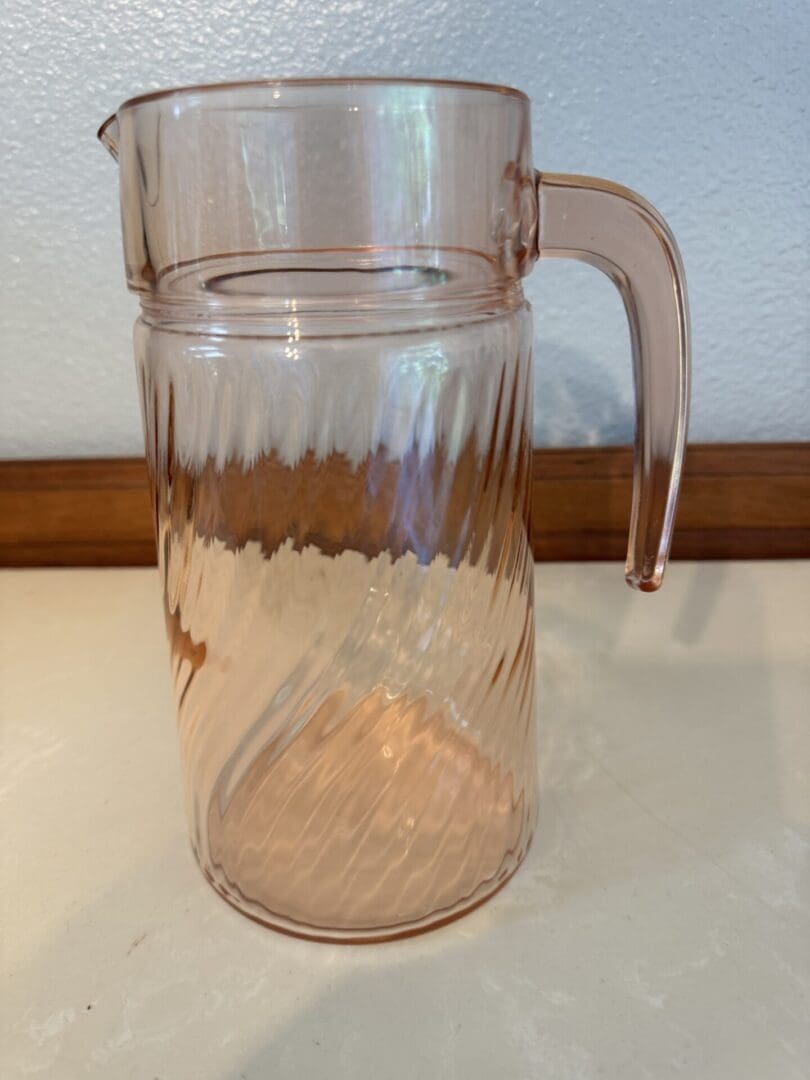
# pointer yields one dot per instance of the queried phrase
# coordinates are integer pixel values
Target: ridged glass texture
(343, 541)
(334, 358)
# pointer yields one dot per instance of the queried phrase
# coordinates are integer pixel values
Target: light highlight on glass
(335, 369)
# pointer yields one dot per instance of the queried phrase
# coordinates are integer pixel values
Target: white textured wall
(701, 106)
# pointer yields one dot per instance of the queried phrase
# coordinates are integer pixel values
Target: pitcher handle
(612, 228)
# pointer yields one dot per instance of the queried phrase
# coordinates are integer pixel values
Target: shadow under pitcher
(334, 357)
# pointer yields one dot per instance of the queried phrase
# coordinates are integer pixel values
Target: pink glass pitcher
(334, 356)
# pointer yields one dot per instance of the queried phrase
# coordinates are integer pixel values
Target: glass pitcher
(334, 358)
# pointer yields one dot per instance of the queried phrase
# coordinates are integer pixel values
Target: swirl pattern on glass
(344, 547)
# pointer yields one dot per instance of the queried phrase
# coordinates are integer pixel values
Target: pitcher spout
(108, 135)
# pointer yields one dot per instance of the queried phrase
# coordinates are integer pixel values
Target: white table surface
(659, 927)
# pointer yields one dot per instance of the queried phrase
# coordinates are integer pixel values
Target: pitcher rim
(194, 89)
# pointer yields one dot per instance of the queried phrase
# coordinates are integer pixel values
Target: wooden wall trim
(738, 501)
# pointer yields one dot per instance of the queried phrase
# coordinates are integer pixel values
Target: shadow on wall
(578, 401)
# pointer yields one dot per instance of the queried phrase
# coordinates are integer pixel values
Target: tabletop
(659, 927)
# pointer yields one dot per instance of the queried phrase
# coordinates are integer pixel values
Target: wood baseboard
(738, 501)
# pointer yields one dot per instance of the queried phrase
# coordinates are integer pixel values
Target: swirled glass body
(343, 542)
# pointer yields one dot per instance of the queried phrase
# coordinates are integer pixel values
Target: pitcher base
(362, 935)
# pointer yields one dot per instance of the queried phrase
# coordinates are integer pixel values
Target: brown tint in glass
(335, 368)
